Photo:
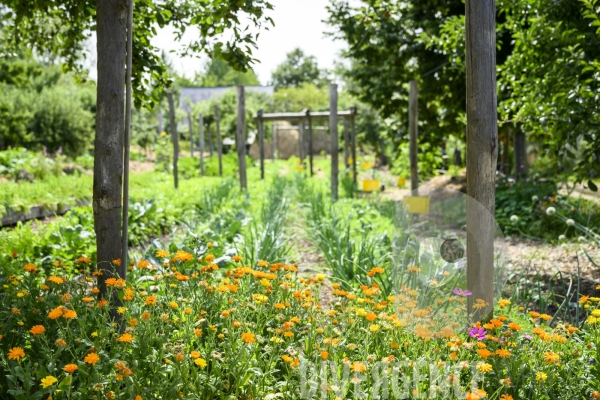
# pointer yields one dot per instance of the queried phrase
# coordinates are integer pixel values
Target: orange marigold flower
(56, 280)
(150, 300)
(514, 326)
(91, 359)
(117, 262)
(182, 256)
(324, 355)
(30, 268)
(503, 353)
(248, 337)
(237, 258)
(83, 260)
(371, 316)
(142, 264)
(16, 353)
(60, 343)
(56, 312)
(37, 330)
(70, 368)
(126, 338)
(484, 353)
(69, 314)
(115, 282)
(551, 357)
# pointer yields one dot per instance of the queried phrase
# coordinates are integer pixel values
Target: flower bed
(203, 326)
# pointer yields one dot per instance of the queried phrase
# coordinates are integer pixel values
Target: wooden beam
(482, 153)
(219, 141)
(261, 143)
(333, 129)
(353, 139)
(310, 144)
(122, 268)
(201, 123)
(174, 137)
(413, 124)
(241, 135)
(191, 134)
(346, 144)
(317, 116)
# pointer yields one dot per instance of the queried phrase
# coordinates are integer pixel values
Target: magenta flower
(460, 292)
(477, 333)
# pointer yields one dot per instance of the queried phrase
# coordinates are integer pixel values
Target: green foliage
(61, 28)
(298, 69)
(297, 98)
(528, 201)
(429, 160)
(190, 166)
(218, 73)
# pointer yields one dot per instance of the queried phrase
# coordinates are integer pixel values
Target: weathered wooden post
(413, 123)
(219, 143)
(210, 141)
(346, 144)
(353, 140)
(520, 151)
(273, 140)
(482, 153)
(261, 142)
(191, 134)
(174, 137)
(201, 123)
(241, 135)
(310, 142)
(122, 268)
(333, 129)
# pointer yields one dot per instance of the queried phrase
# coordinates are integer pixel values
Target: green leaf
(592, 186)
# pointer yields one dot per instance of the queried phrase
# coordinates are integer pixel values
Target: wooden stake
(353, 139)
(210, 141)
(219, 144)
(301, 141)
(191, 134)
(333, 129)
(122, 269)
(346, 144)
(310, 143)
(413, 123)
(482, 153)
(201, 122)
(241, 135)
(261, 143)
(174, 137)
(520, 154)
(273, 140)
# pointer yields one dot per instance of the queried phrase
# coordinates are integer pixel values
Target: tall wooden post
(219, 142)
(520, 154)
(301, 140)
(174, 137)
(310, 143)
(333, 129)
(201, 123)
(210, 141)
(261, 143)
(122, 269)
(346, 144)
(241, 135)
(273, 140)
(482, 152)
(353, 140)
(191, 134)
(413, 124)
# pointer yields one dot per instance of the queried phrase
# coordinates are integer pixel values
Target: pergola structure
(306, 118)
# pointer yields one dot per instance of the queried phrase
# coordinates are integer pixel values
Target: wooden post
(520, 154)
(261, 143)
(201, 123)
(273, 140)
(353, 140)
(219, 143)
(210, 141)
(346, 144)
(413, 123)
(301, 140)
(506, 151)
(482, 153)
(161, 127)
(191, 134)
(241, 135)
(122, 268)
(333, 129)
(310, 143)
(174, 137)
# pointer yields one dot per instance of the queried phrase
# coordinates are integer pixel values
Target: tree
(298, 69)
(61, 27)
(218, 73)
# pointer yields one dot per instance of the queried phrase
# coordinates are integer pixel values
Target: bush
(58, 117)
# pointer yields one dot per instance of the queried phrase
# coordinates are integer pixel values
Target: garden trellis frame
(309, 116)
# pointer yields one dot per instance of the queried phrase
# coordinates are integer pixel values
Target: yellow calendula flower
(200, 362)
(48, 381)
